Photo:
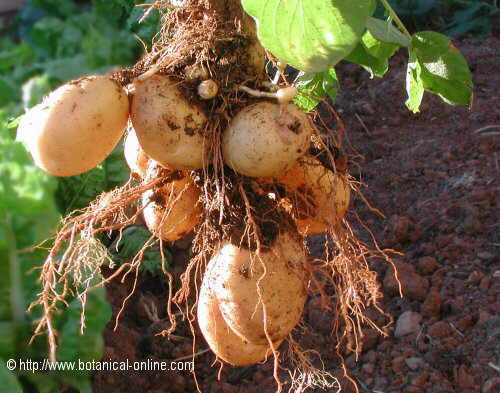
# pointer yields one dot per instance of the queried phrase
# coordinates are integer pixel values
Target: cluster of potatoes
(248, 300)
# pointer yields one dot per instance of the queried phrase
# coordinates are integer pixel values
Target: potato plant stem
(395, 17)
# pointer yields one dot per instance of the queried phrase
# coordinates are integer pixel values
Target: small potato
(136, 159)
(76, 126)
(321, 196)
(168, 126)
(244, 283)
(266, 139)
(172, 210)
(221, 339)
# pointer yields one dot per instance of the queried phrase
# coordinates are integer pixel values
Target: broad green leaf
(386, 32)
(314, 87)
(414, 85)
(8, 380)
(310, 35)
(444, 71)
(372, 54)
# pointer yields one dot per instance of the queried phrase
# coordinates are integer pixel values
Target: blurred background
(44, 43)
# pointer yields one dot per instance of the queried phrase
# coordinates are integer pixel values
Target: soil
(436, 178)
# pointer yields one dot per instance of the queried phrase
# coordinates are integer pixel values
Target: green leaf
(310, 35)
(372, 54)
(414, 84)
(8, 380)
(131, 241)
(73, 344)
(386, 32)
(314, 87)
(444, 71)
(76, 192)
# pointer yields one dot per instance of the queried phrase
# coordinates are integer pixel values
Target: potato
(266, 139)
(76, 126)
(238, 277)
(168, 126)
(322, 196)
(222, 340)
(136, 159)
(172, 210)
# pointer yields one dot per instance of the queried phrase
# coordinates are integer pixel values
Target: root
(73, 264)
(304, 374)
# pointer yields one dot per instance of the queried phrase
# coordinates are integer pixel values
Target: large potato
(136, 159)
(266, 139)
(222, 340)
(321, 196)
(76, 126)
(243, 282)
(173, 210)
(168, 126)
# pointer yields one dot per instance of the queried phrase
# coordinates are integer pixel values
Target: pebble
(440, 329)
(413, 285)
(408, 322)
(414, 363)
(427, 265)
(485, 255)
(431, 307)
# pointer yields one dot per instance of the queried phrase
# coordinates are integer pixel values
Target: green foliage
(471, 17)
(440, 68)
(60, 41)
(314, 37)
(314, 87)
(132, 240)
(310, 35)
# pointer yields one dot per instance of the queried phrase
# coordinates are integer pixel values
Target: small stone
(492, 385)
(440, 329)
(485, 283)
(370, 338)
(431, 307)
(401, 228)
(483, 317)
(398, 364)
(408, 322)
(421, 379)
(465, 379)
(485, 255)
(414, 363)
(413, 285)
(475, 277)
(427, 265)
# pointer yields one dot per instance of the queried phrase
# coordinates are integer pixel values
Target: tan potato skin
(222, 340)
(329, 194)
(136, 159)
(173, 210)
(168, 127)
(237, 276)
(76, 126)
(266, 139)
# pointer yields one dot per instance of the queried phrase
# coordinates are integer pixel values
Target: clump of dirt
(435, 176)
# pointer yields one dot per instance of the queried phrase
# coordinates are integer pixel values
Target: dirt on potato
(436, 177)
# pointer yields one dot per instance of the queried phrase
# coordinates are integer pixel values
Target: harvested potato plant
(208, 146)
